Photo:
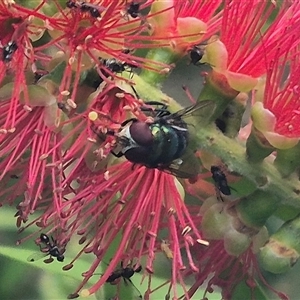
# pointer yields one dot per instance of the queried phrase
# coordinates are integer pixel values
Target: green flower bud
(215, 222)
(235, 242)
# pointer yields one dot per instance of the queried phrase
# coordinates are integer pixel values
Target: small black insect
(71, 4)
(196, 54)
(220, 181)
(116, 66)
(50, 248)
(8, 50)
(133, 9)
(94, 10)
(125, 273)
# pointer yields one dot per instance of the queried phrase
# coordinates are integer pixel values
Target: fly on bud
(162, 143)
(220, 181)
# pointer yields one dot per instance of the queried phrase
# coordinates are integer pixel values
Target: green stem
(256, 208)
(217, 89)
(264, 174)
(161, 55)
(147, 92)
(287, 160)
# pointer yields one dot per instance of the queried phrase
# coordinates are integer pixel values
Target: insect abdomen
(168, 145)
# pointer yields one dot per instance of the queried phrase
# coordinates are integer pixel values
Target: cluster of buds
(92, 149)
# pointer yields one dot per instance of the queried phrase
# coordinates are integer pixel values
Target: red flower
(136, 201)
(276, 111)
(226, 271)
(240, 54)
(64, 101)
(251, 42)
(93, 194)
(281, 95)
(205, 11)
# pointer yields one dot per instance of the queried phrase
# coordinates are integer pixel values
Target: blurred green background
(20, 279)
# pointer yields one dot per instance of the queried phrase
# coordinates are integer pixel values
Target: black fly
(220, 181)
(93, 10)
(162, 143)
(196, 54)
(125, 273)
(116, 66)
(133, 9)
(11, 47)
(8, 50)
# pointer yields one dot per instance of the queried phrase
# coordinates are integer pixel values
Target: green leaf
(21, 255)
(56, 75)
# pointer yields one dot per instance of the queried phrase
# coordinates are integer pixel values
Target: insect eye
(141, 133)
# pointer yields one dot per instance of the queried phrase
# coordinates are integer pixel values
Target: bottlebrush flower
(138, 202)
(185, 21)
(64, 101)
(35, 110)
(275, 114)
(178, 26)
(230, 256)
(77, 41)
(219, 269)
(206, 12)
(242, 59)
(93, 193)
(276, 111)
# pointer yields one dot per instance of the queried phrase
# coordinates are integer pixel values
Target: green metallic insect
(164, 143)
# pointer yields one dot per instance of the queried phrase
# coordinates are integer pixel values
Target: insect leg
(119, 154)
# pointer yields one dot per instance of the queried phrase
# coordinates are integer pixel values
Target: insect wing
(135, 293)
(36, 256)
(121, 289)
(203, 109)
(188, 166)
(98, 7)
(224, 188)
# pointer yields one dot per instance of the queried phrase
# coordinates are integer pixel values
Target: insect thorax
(169, 143)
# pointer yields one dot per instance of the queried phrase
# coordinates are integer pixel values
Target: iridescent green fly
(164, 143)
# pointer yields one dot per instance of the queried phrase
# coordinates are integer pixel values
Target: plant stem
(234, 156)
